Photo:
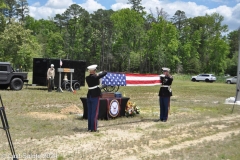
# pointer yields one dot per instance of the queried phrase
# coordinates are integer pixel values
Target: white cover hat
(92, 67)
(165, 69)
(52, 65)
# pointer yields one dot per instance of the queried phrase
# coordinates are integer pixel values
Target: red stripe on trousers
(168, 106)
(96, 116)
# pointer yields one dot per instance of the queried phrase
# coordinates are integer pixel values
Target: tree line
(127, 40)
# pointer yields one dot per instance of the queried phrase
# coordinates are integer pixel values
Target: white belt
(169, 88)
(93, 87)
(165, 86)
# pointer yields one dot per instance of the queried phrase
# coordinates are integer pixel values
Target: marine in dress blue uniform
(94, 92)
(165, 93)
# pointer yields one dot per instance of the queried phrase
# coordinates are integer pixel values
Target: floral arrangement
(131, 109)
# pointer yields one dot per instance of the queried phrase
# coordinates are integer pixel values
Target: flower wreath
(131, 109)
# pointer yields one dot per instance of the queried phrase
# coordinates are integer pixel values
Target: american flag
(61, 62)
(120, 79)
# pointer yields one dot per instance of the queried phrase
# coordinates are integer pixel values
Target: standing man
(165, 93)
(93, 95)
(50, 78)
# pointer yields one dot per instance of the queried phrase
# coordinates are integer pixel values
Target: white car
(204, 77)
(231, 80)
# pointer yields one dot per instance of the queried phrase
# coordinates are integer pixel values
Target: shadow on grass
(79, 129)
(37, 88)
(116, 124)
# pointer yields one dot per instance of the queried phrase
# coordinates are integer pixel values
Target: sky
(230, 9)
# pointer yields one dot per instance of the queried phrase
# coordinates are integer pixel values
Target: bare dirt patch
(72, 109)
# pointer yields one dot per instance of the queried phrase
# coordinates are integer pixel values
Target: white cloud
(119, 6)
(222, 10)
(53, 7)
(190, 8)
(37, 4)
(236, 11)
(92, 5)
(44, 12)
(231, 14)
(57, 4)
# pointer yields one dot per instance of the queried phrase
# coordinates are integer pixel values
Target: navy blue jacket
(164, 91)
(93, 80)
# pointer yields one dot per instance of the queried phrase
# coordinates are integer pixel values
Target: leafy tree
(164, 43)
(84, 40)
(3, 4)
(211, 30)
(128, 26)
(22, 9)
(125, 40)
(73, 18)
(232, 61)
(2, 23)
(219, 54)
(189, 56)
(42, 29)
(59, 21)
(10, 12)
(103, 30)
(54, 46)
(136, 5)
(146, 48)
(233, 42)
(232, 65)
(18, 45)
(32, 24)
(179, 19)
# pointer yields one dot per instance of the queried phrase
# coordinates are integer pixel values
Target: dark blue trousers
(93, 109)
(164, 107)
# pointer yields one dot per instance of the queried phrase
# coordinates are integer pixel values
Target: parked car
(231, 80)
(227, 75)
(204, 77)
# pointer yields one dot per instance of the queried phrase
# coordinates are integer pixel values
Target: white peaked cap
(52, 65)
(165, 69)
(92, 67)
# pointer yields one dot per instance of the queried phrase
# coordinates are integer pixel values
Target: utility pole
(238, 69)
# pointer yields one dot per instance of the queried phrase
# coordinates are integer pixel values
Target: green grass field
(200, 125)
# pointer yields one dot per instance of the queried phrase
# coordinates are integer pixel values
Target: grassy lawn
(198, 117)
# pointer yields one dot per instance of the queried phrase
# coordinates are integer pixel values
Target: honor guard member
(94, 92)
(165, 93)
(50, 78)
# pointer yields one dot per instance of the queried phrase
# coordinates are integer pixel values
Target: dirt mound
(44, 116)
(72, 109)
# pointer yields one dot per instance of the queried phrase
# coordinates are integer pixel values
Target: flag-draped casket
(127, 79)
